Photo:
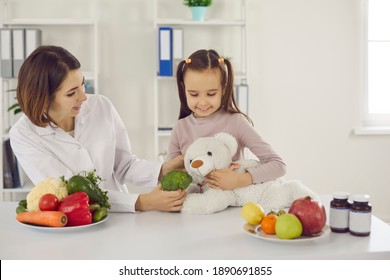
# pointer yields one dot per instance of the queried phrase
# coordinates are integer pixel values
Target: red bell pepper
(76, 208)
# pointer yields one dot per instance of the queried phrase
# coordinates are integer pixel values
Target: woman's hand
(175, 163)
(227, 179)
(157, 199)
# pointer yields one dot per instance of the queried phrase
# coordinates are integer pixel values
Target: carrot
(43, 218)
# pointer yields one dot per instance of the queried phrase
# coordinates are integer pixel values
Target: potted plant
(198, 8)
(15, 106)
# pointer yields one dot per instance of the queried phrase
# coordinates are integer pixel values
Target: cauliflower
(175, 180)
(49, 185)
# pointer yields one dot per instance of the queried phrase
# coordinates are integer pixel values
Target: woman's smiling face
(203, 91)
(68, 98)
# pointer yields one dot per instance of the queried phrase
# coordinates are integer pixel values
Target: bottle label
(360, 221)
(339, 218)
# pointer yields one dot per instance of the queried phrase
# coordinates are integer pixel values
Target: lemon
(252, 213)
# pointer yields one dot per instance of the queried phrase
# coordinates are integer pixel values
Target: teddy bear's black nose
(197, 163)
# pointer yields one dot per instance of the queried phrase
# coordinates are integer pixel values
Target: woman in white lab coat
(64, 131)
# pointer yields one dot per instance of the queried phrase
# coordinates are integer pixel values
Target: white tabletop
(158, 235)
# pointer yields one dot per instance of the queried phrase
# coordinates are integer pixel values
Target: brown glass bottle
(339, 212)
(360, 216)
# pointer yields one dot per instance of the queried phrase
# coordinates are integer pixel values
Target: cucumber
(20, 209)
(88, 183)
(79, 183)
(99, 214)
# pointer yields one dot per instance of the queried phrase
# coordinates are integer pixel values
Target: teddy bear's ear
(228, 140)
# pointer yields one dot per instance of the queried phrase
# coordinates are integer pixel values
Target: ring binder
(6, 53)
(18, 46)
(33, 40)
(165, 51)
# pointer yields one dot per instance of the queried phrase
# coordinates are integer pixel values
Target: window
(376, 111)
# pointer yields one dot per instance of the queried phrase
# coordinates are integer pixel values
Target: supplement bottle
(360, 215)
(339, 212)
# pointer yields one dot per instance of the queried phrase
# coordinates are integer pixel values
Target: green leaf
(197, 3)
(13, 106)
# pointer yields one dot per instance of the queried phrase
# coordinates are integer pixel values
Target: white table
(158, 235)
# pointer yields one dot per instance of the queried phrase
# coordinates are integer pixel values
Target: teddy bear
(209, 153)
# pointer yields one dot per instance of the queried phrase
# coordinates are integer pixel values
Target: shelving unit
(224, 30)
(74, 29)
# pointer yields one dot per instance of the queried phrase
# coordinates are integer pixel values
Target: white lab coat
(100, 142)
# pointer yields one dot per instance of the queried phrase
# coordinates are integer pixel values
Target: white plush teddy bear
(209, 153)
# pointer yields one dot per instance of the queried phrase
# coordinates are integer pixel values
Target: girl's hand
(176, 163)
(157, 199)
(227, 179)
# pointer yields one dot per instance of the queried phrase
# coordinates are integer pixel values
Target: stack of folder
(15, 45)
(170, 49)
(242, 96)
(11, 178)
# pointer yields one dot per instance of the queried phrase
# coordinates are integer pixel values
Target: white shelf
(216, 22)
(54, 21)
(57, 29)
(24, 189)
(217, 28)
(164, 133)
(237, 75)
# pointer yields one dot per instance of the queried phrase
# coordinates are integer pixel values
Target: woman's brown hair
(40, 76)
(202, 60)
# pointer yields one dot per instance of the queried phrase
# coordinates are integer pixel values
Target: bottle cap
(341, 195)
(361, 197)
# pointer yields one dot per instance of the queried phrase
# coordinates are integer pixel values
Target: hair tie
(188, 60)
(221, 60)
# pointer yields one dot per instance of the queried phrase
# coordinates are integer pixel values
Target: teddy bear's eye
(190, 161)
(209, 154)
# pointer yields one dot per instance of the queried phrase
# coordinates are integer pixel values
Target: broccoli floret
(175, 180)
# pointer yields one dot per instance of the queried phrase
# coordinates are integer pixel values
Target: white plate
(256, 231)
(63, 228)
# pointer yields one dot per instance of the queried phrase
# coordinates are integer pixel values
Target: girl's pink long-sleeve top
(188, 129)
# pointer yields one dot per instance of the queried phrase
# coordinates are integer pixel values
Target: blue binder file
(165, 51)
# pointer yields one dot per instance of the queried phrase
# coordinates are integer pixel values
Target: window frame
(370, 123)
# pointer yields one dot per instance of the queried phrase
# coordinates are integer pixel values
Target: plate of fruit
(305, 220)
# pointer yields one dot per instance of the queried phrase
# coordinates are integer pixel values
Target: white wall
(306, 84)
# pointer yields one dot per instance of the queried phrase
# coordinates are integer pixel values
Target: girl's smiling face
(68, 99)
(203, 91)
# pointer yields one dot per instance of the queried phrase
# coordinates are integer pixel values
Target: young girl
(207, 107)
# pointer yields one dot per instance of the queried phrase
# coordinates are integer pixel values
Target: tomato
(48, 202)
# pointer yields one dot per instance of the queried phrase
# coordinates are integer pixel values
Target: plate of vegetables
(59, 204)
(56, 218)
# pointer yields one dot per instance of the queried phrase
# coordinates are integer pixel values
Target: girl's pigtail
(230, 80)
(184, 110)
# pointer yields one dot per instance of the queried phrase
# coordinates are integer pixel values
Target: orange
(268, 223)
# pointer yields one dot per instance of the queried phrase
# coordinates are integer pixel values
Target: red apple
(311, 213)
